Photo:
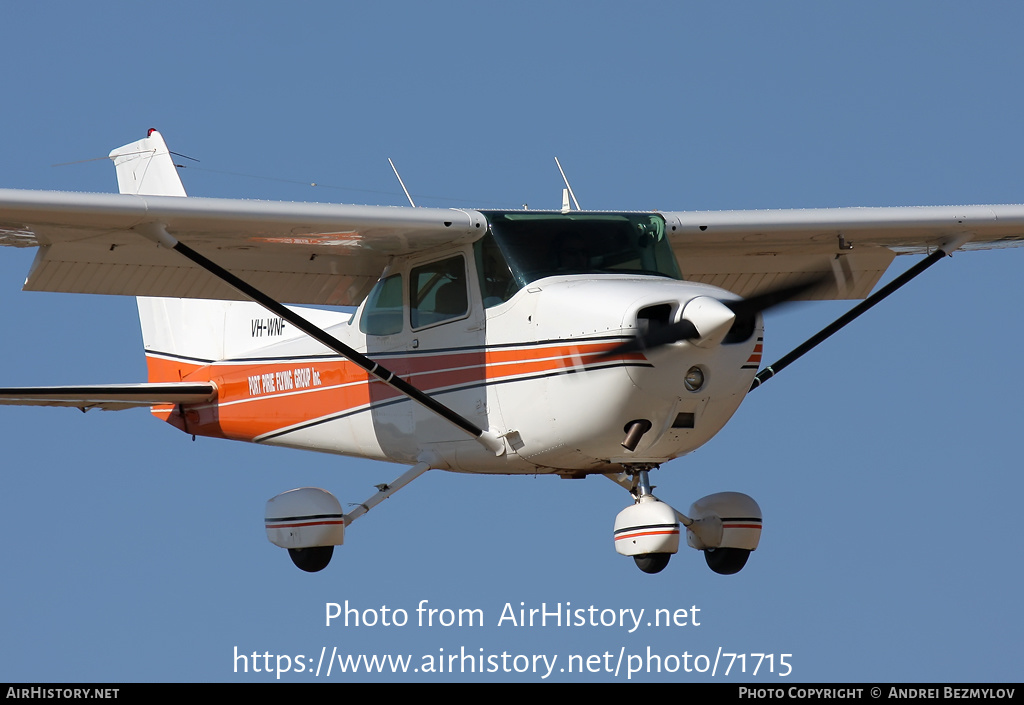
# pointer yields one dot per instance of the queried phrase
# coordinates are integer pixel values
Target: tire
(311, 560)
(726, 561)
(652, 562)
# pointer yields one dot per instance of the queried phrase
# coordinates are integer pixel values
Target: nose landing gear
(648, 530)
(726, 526)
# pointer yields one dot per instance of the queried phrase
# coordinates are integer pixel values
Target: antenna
(399, 177)
(567, 186)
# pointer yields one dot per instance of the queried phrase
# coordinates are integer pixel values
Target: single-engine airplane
(567, 343)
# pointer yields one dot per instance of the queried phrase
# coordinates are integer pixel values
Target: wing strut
(789, 358)
(385, 491)
(488, 439)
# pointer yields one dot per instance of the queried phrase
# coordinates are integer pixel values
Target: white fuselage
(529, 368)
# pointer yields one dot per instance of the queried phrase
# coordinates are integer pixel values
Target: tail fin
(180, 327)
(191, 331)
(145, 168)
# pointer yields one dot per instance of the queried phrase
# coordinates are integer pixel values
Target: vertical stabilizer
(183, 327)
(195, 331)
(145, 168)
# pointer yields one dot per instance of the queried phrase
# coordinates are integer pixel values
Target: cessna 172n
(567, 343)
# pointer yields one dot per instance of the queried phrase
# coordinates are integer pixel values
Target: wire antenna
(399, 177)
(126, 154)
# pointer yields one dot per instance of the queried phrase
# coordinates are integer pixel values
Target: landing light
(694, 379)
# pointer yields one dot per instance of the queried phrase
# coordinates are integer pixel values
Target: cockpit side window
(382, 314)
(437, 292)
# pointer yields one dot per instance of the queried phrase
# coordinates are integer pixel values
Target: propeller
(774, 297)
(706, 321)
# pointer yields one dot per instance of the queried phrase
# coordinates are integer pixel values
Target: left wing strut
(488, 439)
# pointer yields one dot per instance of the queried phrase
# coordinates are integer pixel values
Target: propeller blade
(773, 297)
(659, 335)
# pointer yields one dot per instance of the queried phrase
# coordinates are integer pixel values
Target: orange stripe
(250, 401)
(160, 369)
(646, 533)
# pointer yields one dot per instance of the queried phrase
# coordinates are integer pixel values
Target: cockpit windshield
(537, 245)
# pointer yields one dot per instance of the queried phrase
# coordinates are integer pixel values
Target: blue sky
(887, 462)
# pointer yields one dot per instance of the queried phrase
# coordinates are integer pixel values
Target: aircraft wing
(313, 253)
(750, 251)
(110, 397)
(310, 253)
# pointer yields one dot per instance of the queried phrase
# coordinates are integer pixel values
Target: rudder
(145, 168)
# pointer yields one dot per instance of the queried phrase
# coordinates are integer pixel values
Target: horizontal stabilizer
(110, 397)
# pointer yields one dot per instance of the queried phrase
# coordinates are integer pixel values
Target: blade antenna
(399, 177)
(562, 172)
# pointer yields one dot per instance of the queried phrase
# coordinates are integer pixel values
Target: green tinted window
(382, 314)
(538, 245)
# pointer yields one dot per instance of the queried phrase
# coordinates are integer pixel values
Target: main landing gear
(726, 526)
(309, 521)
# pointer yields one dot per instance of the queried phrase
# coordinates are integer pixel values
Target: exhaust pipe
(634, 432)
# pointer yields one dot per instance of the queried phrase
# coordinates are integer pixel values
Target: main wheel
(652, 562)
(311, 560)
(726, 561)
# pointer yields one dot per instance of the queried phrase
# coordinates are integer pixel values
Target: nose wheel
(725, 526)
(649, 530)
